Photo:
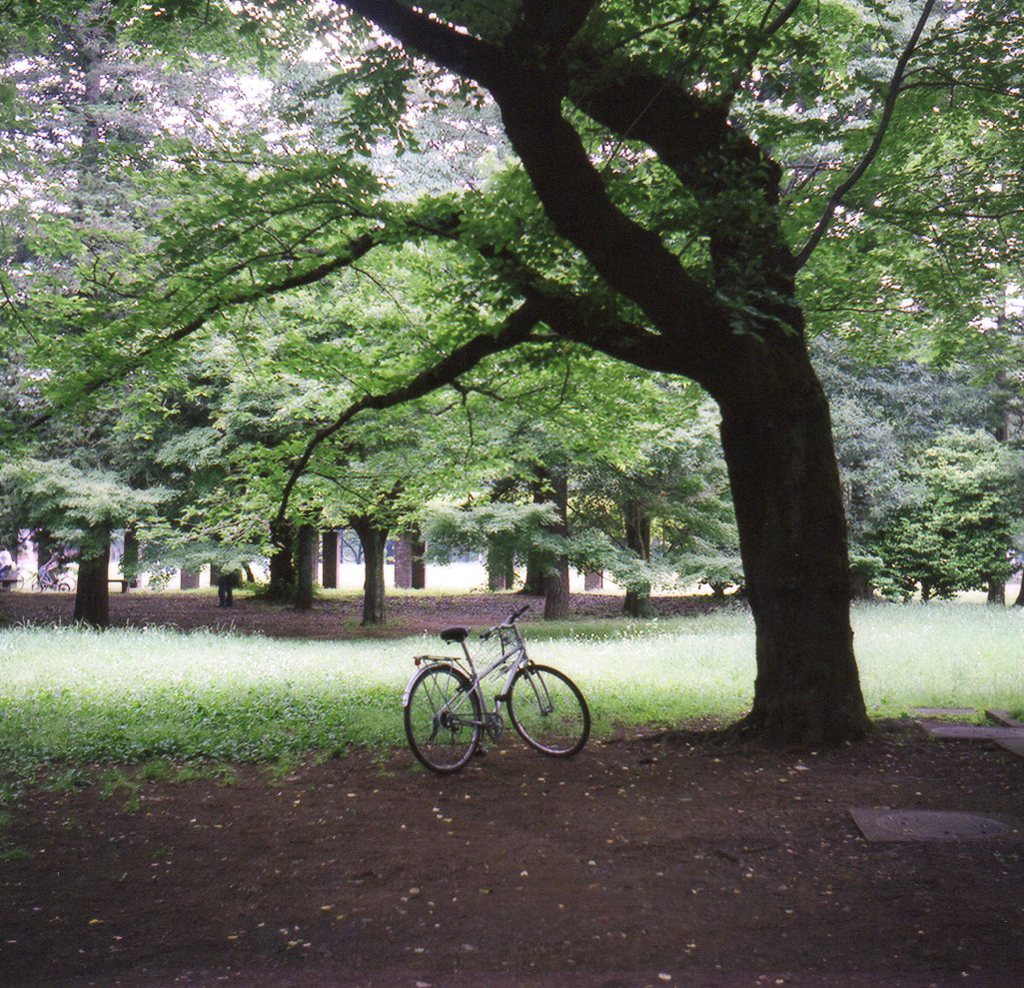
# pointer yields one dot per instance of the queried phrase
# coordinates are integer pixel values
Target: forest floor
(652, 859)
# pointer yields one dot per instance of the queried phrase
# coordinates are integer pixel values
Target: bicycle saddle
(450, 635)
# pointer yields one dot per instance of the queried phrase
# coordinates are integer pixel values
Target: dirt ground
(335, 617)
(666, 859)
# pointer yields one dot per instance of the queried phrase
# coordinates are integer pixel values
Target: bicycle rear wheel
(442, 719)
(548, 711)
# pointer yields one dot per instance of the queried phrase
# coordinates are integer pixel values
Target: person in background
(229, 576)
(47, 572)
(6, 563)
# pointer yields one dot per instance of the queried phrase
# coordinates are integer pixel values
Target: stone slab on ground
(943, 711)
(934, 825)
(1016, 745)
(972, 732)
(1003, 717)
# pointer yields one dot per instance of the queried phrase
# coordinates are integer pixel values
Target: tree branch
(516, 329)
(895, 87)
(357, 249)
(462, 53)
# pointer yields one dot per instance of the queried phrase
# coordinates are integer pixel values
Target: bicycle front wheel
(548, 711)
(442, 719)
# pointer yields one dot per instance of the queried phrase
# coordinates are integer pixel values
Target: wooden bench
(113, 581)
(8, 582)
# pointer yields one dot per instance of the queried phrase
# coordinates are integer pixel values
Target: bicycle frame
(513, 653)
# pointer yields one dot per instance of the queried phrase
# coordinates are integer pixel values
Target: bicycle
(445, 711)
(43, 580)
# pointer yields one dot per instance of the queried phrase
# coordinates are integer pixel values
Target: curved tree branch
(462, 53)
(516, 329)
(895, 87)
(355, 249)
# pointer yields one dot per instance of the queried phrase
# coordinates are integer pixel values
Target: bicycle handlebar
(507, 623)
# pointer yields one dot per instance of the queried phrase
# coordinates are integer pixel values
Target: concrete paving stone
(1016, 745)
(934, 825)
(1003, 717)
(975, 732)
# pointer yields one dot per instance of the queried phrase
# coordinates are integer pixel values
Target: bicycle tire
(440, 737)
(548, 711)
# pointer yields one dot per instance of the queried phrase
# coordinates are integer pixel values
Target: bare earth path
(663, 860)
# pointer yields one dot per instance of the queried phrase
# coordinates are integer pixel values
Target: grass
(168, 702)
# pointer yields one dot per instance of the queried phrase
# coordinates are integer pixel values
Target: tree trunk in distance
(638, 541)
(282, 562)
(556, 572)
(131, 557)
(996, 592)
(189, 579)
(373, 541)
(593, 580)
(500, 566)
(330, 555)
(306, 568)
(92, 598)
(403, 562)
(419, 559)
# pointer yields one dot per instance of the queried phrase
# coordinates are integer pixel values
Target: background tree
(954, 532)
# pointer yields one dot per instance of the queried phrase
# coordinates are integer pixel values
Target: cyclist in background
(47, 572)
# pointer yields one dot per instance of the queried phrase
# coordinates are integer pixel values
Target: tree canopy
(381, 198)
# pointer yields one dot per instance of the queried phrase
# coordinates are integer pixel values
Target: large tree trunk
(638, 541)
(306, 569)
(373, 540)
(786, 491)
(92, 598)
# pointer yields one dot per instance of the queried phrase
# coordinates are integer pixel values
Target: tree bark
(306, 569)
(373, 540)
(330, 556)
(996, 592)
(92, 598)
(788, 501)
(282, 561)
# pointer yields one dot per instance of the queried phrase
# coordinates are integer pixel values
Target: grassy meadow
(76, 697)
